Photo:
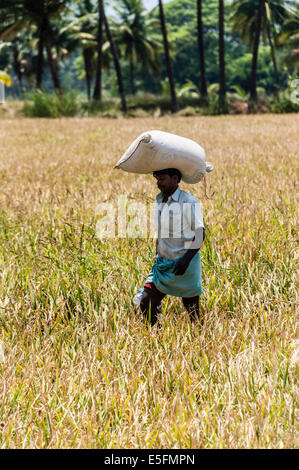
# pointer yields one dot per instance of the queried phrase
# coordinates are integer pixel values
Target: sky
(149, 4)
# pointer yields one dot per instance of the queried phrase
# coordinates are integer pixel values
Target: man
(177, 269)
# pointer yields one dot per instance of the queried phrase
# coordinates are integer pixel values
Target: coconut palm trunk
(18, 68)
(174, 103)
(253, 93)
(222, 86)
(97, 94)
(51, 60)
(201, 51)
(87, 57)
(116, 64)
(132, 77)
(273, 55)
(40, 58)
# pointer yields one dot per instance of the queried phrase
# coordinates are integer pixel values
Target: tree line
(35, 32)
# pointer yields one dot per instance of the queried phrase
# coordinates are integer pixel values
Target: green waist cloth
(187, 285)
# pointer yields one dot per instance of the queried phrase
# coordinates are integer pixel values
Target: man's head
(168, 180)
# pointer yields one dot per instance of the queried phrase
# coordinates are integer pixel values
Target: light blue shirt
(176, 222)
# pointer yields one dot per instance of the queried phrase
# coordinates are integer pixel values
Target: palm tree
(25, 13)
(289, 37)
(82, 33)
(174, 103)
(116, 63)
(269, 36)
(16, 52)
(222, 87)
(21, 56)
(40, 58)
(253, 93)
(201, 50)
(58, 44)
(277, 12)
(253, 18)
(135, 34)
(97, 94)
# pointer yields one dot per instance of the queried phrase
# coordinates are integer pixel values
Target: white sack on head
(156, 150)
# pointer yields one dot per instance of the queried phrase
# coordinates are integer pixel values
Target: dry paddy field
(80, 368)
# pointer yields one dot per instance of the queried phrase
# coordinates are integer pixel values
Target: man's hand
(180, 266)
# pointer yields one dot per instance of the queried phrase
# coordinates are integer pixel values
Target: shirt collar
(175, 196)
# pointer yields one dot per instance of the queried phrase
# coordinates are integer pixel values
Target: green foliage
(189, 89)
(241, 93)
(51, 105)
(106, 108)
(138, 37)
(214, 108)
(181, 18)
(244, 16)
(136, 34)
(182, 31)
(283, 103)
(289, 38)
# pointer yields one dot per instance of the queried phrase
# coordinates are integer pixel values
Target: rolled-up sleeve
(193, 215)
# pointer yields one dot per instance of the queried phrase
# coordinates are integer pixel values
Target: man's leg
(191, 304)
(150, 305)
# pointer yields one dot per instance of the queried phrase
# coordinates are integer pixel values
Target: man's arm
(182, 264)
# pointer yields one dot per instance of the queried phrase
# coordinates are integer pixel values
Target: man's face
(166, 183)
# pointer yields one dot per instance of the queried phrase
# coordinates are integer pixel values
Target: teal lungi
(187, 285)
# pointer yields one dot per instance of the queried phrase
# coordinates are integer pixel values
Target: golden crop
(81, 368)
